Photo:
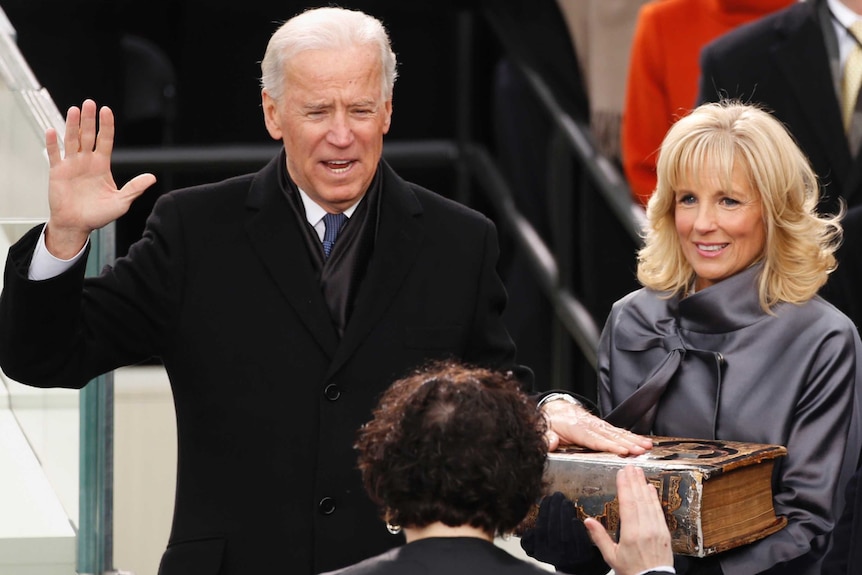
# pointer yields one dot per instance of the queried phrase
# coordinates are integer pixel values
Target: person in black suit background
(792, 63)
(455, 455)
(845, 555)
(276, 335)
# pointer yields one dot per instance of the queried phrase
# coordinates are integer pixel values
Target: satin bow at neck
(642, 404)
(731, 304)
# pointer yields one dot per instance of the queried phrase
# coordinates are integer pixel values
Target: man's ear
(387, 107)
(270, 115)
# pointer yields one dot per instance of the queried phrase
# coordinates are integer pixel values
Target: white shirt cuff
(661, 569)
(45, 266)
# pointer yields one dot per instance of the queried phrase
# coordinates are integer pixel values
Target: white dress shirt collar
(314, 213)
(843, 18)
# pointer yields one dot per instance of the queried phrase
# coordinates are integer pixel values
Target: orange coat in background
(664, 72)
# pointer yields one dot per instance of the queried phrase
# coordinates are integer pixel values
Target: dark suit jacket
(845, 555)
(268, 400)
(781, 61)
(445, 556)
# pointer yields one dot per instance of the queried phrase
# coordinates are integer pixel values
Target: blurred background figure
(588, 41)
(454, 456)
(663, 73)
(845, 554)
(794, 63)
(602, 31)
(529, 31)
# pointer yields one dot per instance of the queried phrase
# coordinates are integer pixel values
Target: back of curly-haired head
(459, 445)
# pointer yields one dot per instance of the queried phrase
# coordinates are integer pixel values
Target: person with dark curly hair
(455, 455)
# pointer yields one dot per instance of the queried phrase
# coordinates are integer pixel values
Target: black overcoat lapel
(400, 234)
(276, 239)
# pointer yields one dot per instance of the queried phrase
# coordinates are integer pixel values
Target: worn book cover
(716, 494)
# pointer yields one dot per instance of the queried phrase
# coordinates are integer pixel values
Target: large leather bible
(716, 494)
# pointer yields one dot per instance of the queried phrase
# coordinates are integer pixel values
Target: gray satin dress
(734, 372)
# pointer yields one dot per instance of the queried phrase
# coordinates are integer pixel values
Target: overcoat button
(332, 392)
(326, 506)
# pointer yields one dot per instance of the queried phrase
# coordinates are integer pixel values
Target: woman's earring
(393, 529)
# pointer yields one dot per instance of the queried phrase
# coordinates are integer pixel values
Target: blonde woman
(728, 338)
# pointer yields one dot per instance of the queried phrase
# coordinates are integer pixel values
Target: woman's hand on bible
(571, 424)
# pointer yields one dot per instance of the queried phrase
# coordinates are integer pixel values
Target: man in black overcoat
(279, 321)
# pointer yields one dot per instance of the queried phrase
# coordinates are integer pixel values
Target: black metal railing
(594, 180)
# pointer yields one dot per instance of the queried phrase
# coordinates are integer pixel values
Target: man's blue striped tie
(333, 223)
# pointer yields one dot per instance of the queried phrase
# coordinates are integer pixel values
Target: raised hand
(82, 195)
(644, 537)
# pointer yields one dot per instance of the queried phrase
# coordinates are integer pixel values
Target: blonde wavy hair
(727, 136)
